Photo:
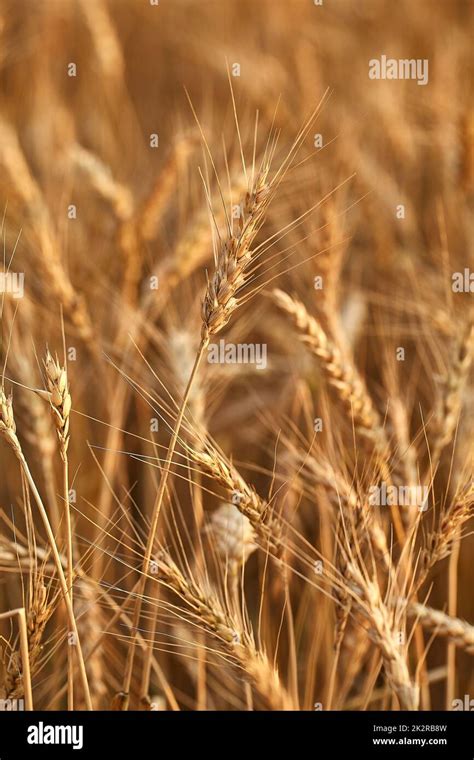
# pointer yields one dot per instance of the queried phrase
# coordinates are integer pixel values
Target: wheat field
(237, 339)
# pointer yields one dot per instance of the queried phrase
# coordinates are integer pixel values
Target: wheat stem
(125, 694)
(8, 430)
(60, 401)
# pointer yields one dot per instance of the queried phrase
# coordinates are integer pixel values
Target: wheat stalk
(8, 432)
(60, 401)
(117, 195)
(106, 42)
(232, 270)
(142, 224)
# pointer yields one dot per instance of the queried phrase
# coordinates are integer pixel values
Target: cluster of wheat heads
(236, 400)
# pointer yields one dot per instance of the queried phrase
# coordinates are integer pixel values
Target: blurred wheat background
(175, 175)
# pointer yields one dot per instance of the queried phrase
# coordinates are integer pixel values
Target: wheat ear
(342, 375)
(456, 630)
(234, 259)
(384, 631)
(26, 675)
(354, 508)
(237, 643)
(450, 404)
(440, 542)
(38, 614)
(14, 163)
(243, 496)
(350, 386)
